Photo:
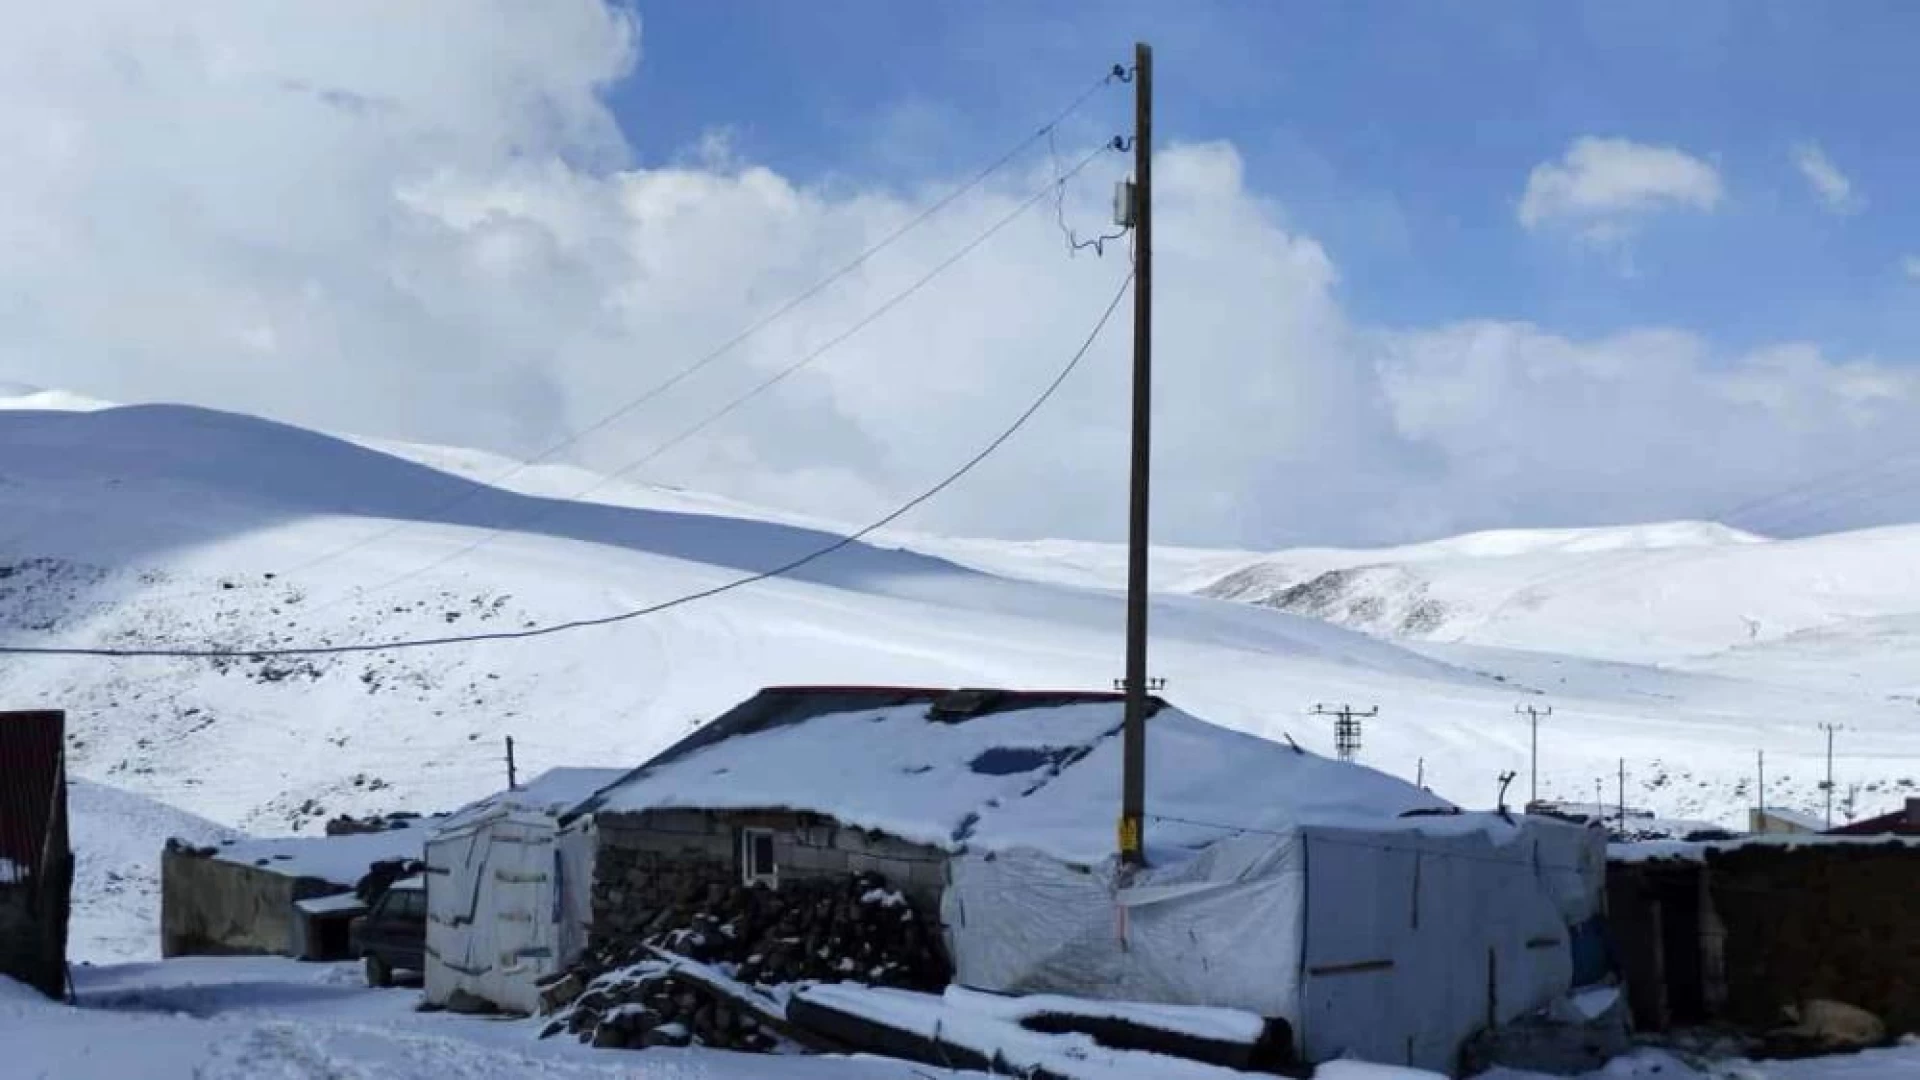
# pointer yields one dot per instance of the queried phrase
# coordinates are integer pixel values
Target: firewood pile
(853, 929)
(654, 1004)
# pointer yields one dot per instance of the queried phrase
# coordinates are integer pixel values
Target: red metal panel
(32, 799)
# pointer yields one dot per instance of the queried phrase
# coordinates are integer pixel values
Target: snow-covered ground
(217, 1018)
(255, 1018)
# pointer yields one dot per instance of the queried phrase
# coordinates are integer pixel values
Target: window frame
(749, 873)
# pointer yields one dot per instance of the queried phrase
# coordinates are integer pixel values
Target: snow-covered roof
(1810, 822)
(1697, 851)
(552, 792)
(342, 860)
(337, 904)
(1040, 771)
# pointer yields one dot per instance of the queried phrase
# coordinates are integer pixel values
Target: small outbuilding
(495, 883)
(1372, 918)
(286, 896)
(1776, 821)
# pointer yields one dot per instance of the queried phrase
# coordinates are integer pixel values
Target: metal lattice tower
(1346, 737)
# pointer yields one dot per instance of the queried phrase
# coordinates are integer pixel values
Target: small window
(756, 858)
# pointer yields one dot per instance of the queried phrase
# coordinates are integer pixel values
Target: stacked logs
(650, 1004)
(853, 929)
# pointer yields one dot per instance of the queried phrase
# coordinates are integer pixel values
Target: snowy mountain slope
(165, 524)
(1611, 598)
(117, 837)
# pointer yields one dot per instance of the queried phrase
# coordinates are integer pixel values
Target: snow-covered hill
(1678, 593)
(162, 524)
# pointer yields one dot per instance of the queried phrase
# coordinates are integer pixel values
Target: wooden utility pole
(1133, 794)
(1623, 795)
(513, 776)
(1760, 761)
(1533, 715)
(1829, 728)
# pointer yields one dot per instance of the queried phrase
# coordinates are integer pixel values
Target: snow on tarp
(342, 860)
(1220, 1025)
(550, 793)
(1036, 776)
(1002, 1039)
(1366, 1070)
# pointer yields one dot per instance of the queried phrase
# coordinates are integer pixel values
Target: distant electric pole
(1623, 795)
(1827, 787)
(1133, 784)
(1346, 727)
(1533, 714)
(1420, 773)
(1760, 761)
(513, 776)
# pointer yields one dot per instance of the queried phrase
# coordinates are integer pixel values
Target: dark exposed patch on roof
(1009, 760)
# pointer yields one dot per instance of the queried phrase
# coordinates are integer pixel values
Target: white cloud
(431, 233)
(1911, 264)
(1601, 184)
(1828, 182)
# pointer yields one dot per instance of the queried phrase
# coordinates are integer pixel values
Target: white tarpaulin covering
(1221, 928)
(1394, 944)
(499, 892)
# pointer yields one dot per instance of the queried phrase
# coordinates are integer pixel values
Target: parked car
(392, 935)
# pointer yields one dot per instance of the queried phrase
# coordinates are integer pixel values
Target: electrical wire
(1074, 243)
(605, 620)
(1044, 131)
(738, 400)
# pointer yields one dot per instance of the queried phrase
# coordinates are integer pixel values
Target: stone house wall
(1752, 929)
(1825, 921)
(647, 863)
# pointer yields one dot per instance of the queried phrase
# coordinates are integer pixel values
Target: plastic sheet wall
(494, 909)
(1392, 945)
(1222, 928)
(1415, 942)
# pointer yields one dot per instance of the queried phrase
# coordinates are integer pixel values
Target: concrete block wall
(648, 863)
(209, 907)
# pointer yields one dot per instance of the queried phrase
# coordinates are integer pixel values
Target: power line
(577, 624)
(1044, 131)
(746, 396)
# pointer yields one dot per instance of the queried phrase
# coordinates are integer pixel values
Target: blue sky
(1399, 135)
(1426, 267)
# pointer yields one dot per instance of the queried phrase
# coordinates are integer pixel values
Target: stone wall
(651, 862)
(1821, 921)
(1754, 928)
